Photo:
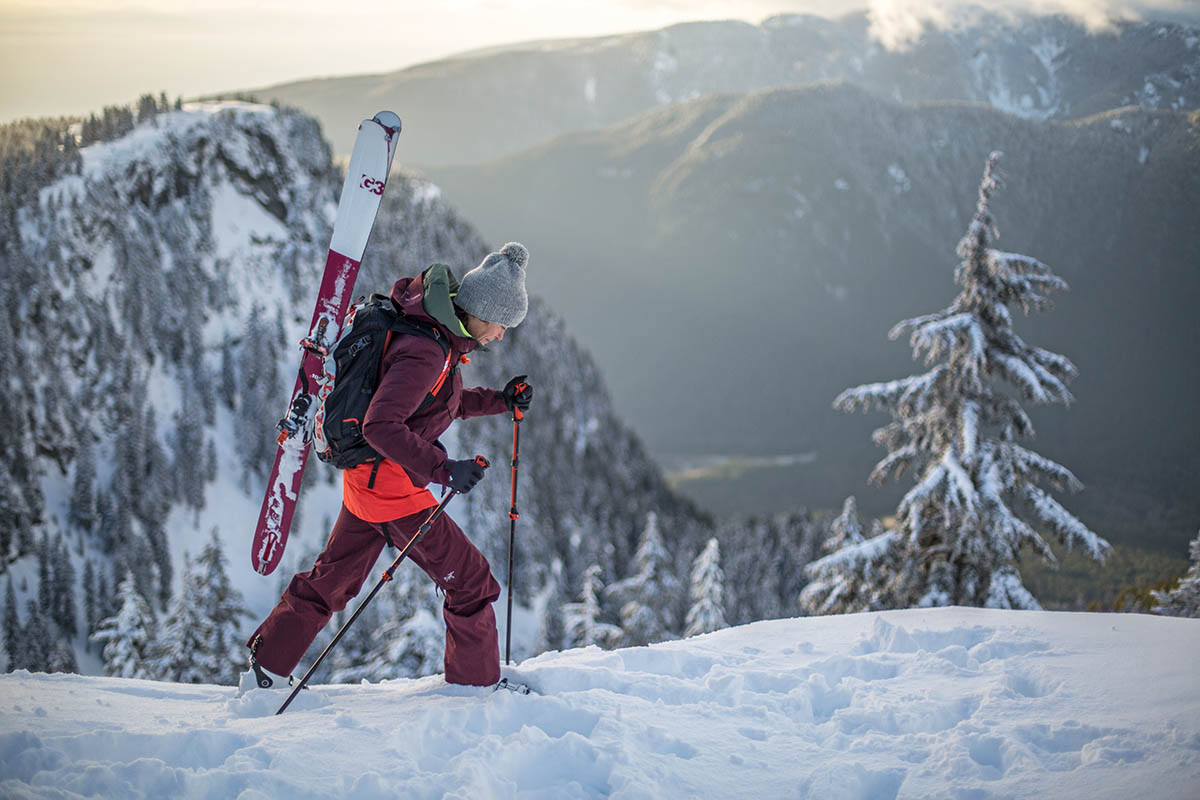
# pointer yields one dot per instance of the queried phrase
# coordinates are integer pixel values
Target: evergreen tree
(62, 658)
(90, 590)
(147, 108)
(552, 629)
(188, 443)
(106, 521)
(648, 597)
(37, 640)
(62, 572)
(977, 500)
(409, 644)
(128, 635)
(707, 612)
(224, 609)
(258, 396)
(106, 602)
(582, 620)
(183, 652)
(357, 655)
(229, 394)
(855, 570)
(45, 584)
(82, 510)
(1184, 599)
(12, 630)
(211, 465)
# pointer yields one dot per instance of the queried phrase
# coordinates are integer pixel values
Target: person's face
(484, 332)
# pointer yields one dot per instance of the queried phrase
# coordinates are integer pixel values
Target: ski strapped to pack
(353, 367)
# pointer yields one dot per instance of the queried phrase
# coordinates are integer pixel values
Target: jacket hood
(430, 297)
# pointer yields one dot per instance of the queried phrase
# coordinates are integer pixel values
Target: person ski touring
(385, 501)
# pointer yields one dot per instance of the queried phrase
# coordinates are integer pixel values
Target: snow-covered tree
(707, 612)
(12, 629)
(188, 444)
(62, 572)
(399, 635)
(90, 601)
(552, 628)
(128, 635)
(62, 657)
(980, 496)
(45, 556)
(224, 610)
(1184, 599)
(582, 620)
(182, 652)
(37, 640)
(853, 575)
(648, 598)
(82, 509)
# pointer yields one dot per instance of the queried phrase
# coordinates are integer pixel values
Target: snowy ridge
(932, 703)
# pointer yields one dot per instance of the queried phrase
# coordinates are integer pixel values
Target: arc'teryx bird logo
(371, 185)
(448, 578)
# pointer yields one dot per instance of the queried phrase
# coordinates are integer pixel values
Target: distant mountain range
(485, 104)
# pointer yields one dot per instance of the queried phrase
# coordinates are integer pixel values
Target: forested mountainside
(155, 281)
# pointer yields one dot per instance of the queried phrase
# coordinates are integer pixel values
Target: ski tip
(388, 120)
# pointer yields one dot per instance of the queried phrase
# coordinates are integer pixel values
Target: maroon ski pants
(444, 553)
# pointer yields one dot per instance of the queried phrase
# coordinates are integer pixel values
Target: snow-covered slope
(930, 703)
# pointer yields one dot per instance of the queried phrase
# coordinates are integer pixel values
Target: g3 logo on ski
(371, 185)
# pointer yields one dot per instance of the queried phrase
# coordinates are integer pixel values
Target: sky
(62, 57)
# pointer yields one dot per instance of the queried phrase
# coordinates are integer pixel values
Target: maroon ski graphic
(366, 177)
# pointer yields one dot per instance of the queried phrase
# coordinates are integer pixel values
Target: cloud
(899, 23)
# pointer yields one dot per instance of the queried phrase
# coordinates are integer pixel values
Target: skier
(386, 501)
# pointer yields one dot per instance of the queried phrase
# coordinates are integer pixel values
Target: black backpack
(352, 372)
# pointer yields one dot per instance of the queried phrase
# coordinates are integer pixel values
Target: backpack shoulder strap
(407, 325)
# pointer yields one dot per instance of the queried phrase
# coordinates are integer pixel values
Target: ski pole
(518, 415)
(386, 577)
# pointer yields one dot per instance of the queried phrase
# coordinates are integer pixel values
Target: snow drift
(920, 703)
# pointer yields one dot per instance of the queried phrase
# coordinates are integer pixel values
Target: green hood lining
(441, 287)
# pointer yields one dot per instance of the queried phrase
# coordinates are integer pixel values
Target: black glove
(463, 474)
(517, 394)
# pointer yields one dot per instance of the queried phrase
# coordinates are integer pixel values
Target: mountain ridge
(1039, 67)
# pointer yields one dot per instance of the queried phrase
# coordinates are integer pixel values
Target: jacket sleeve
(407, 378)
(481, 402)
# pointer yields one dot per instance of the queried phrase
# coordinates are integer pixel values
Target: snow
(948, 702)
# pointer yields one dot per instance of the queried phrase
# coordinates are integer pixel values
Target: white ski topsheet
(946, 703)
(363, 190)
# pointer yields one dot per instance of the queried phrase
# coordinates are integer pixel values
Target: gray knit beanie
(495, 290)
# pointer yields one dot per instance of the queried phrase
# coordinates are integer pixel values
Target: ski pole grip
(518, 414)
(483, 462)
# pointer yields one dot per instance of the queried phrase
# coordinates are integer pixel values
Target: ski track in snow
(961, 703)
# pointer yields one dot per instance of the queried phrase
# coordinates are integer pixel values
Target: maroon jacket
(406, 437)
